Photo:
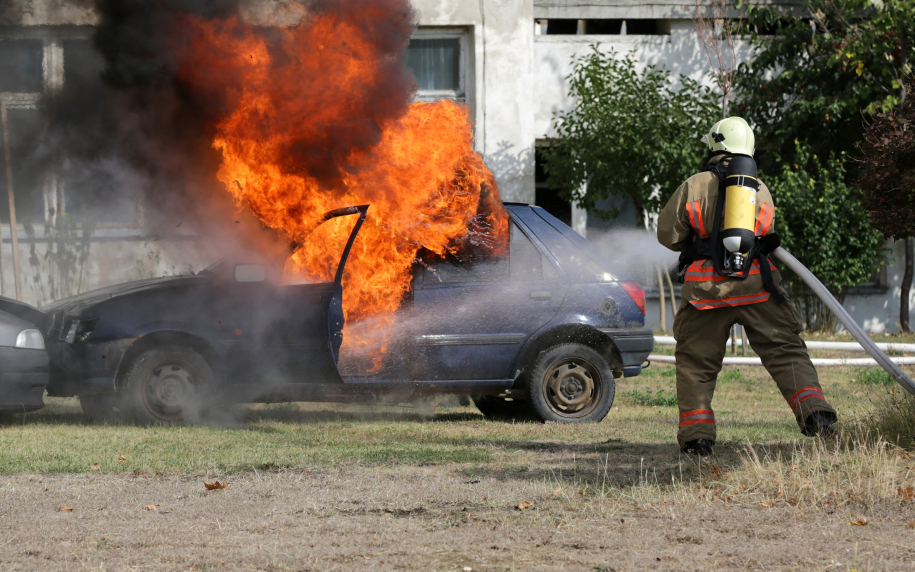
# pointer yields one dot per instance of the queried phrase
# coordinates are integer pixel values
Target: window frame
(464, 93)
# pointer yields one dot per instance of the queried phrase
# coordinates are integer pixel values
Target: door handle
(541, 295)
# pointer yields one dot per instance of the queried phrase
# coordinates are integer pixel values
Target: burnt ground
(439, 517)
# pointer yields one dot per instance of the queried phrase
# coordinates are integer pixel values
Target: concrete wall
(502, 36)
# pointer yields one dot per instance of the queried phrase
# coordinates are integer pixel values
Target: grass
(758, 440)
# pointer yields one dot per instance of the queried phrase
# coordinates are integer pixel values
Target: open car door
(301, 329)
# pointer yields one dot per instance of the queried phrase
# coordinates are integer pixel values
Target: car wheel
(494, 407)
(571, 383)
(167, 384)
(99, 407)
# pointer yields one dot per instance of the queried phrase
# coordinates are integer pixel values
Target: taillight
(636, 293)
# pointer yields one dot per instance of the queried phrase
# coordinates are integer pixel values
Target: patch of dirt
(413, 518)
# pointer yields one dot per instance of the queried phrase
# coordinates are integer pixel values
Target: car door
(471, 314)
(300, 326)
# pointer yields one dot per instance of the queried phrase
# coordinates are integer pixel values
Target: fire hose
(869, 346)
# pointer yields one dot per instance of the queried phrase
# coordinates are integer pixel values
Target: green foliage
(659, 398)
(873, 376)
(61, 270)
(822, 223)
(629, 135)
(820, 219)
(815, 86)
(730, 375)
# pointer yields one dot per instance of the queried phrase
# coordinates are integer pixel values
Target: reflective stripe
(697, 416)
(766, 212)
(804, 394)
(699, 274)
(698, 210)
(735, 301)
(694, 211)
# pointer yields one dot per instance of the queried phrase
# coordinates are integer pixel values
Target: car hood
(81, 302)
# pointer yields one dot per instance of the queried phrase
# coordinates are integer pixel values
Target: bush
(873, 376)
(894, 418)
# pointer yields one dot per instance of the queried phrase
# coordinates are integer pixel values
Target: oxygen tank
(738, 235)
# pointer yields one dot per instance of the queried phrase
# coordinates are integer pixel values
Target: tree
(718, 35)
(628, 135)
(820, 220)
(813, 77)
(887, 180)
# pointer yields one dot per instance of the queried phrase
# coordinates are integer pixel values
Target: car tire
(99, 407)
(571, 383)
(493, 407)
(167, 384)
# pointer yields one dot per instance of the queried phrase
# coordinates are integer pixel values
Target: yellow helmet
(732, 135)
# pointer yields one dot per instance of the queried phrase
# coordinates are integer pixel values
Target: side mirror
(250, 273)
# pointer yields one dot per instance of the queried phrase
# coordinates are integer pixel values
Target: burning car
(542, 329)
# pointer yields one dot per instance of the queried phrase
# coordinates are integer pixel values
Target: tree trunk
(906, 288)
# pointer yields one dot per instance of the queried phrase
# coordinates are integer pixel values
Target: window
(527, 263)
(602, 27)
(453, 270)
(20, 66)
(92, 188)
(438, 58)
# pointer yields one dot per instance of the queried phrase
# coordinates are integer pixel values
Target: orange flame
(313, 121)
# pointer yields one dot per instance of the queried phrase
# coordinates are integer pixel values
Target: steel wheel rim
(167, 389)
(572, 387)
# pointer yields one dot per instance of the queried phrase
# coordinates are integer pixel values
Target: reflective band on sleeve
(698, 209)
(697, 416)
(735, 301)
(766, 212)
(804, 394)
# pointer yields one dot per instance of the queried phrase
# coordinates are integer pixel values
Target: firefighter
(729, 281)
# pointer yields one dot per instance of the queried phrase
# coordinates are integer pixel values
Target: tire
(501, 409)
(571, 383)
(167, 384)
(99, 407)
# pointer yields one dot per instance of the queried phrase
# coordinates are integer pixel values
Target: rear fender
(553, 335)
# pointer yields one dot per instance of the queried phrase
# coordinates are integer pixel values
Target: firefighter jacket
(689, 214)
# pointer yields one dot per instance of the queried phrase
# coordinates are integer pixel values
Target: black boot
(820, 424)
(700, 447)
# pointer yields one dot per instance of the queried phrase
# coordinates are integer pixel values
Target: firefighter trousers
(773, 331)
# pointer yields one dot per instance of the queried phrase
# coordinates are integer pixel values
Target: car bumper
(634, 346)
(23, 379)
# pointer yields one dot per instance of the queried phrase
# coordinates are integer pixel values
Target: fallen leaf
(768, 503)
(860, 522)
(151, 507)
(215, 485)
(792, 501)
(122, 459)
(716, 471)
(906, 493)
(524, 505)
(65, 509)
(96, 466)
(910, 525)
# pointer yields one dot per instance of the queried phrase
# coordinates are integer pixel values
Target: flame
(317, 116)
